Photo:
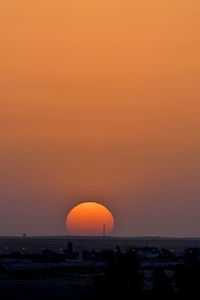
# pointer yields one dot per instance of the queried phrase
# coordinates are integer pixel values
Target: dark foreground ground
(37, 244)
(83, 268)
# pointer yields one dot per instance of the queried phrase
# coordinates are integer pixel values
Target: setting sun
(90, 218)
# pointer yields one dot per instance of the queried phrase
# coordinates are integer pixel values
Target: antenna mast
(104, 230)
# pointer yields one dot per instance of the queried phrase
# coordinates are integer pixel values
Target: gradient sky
(100, 101)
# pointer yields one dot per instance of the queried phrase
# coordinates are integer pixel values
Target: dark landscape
(99, 268)
(37, 244)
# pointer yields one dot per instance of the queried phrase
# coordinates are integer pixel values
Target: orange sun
(89, 219)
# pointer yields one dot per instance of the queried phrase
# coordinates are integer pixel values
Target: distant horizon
(99, 237)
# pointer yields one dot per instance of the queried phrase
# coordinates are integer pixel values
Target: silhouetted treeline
(140, 274)
(123, 279)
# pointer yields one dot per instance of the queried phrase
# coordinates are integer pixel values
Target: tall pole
(104, 230)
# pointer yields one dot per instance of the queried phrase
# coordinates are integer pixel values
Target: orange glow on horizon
(89, 218)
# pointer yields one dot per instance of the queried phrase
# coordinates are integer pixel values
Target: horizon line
(99, 237)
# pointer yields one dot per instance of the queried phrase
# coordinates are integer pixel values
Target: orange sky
(100, 101)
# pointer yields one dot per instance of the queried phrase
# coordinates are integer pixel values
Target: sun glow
(90, 219)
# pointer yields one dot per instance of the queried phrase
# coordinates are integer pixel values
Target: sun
(89, 219)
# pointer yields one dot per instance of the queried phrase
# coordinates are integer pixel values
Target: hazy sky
(100, 100)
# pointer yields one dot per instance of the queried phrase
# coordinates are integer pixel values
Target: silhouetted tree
(162, 286)
(121, 279)
(190, 285)
(2, 269)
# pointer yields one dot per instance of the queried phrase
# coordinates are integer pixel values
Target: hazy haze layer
(99, 100)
